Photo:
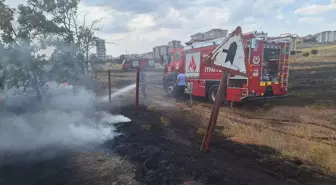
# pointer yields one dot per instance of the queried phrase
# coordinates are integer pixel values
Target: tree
(6, 18)
(41, 24)
(22, 64)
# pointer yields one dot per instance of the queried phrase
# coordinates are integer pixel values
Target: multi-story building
(211, 34)
(130, 56)
(326, 37)
(215, 33)
(197, 36)
(93, 56)
(174, 44)
(101, 49)
(160, 50)
(148, 55)
(109, 57)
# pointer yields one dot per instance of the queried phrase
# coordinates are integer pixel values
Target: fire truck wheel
(212, 92)
(170, 88)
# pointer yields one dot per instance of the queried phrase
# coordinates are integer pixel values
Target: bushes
(292, 53)
(306, 54)
(314, 51)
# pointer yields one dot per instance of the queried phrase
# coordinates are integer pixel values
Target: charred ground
(157, 148)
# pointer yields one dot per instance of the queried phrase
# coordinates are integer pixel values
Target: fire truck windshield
(177, 56)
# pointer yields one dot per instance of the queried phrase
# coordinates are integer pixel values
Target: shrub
(293, 52)
(306, 54)
(314, 51)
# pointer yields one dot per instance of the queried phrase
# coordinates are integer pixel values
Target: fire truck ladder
(285, 67)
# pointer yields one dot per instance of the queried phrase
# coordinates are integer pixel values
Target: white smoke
(63, 119)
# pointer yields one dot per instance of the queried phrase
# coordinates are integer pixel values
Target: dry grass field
(302, 127)
(288, 141)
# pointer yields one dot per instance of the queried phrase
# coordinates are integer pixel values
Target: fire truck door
(193, 65)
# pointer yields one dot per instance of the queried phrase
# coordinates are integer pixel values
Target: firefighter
(180, 85)
(143, 83)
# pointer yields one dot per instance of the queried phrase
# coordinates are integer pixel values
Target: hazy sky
(139, 25)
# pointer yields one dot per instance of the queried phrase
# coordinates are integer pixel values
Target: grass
(298, 136)
(112, 66)
(292, 131)
(164, 120)
(289, 147)
(326, 54)
(312, 58)
(298, 127)
(320, 48)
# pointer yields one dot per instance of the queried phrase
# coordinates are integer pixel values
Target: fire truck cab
(267, 76)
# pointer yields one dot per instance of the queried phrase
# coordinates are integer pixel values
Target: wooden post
(190, 93)
(137, 90)
(214, 113)
(109, 85)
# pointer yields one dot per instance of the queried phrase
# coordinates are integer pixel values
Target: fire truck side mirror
(254, 43)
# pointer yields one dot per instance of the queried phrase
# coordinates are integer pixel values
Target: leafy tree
(40, 24)
(6, 18)
(23, 65)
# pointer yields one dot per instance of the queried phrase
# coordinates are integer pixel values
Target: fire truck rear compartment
(270, 64)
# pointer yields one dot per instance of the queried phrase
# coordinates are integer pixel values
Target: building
(211, 34)
(174, 44)
(197, 36)
(109, 57)
(215, 33)
(93, 56)
(160, 50)
(101, 49)
(130, 56)
(326, 37)
(148, 55)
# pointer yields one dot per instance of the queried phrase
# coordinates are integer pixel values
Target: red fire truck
(267, 76)
(132, 64)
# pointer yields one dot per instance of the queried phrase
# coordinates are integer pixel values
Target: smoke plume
(63, 119)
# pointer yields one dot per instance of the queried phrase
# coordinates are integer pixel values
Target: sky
(136, 26)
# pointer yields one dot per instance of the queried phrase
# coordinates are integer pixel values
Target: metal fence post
(137, 90)
(214, 113)
(109, 85)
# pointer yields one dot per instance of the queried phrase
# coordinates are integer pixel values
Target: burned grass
(167, 152)
(87, 168)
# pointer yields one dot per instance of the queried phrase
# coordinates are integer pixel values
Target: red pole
(214, 113)
(137, 90)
